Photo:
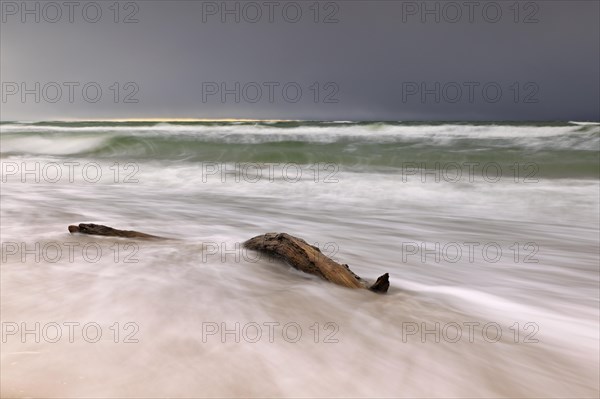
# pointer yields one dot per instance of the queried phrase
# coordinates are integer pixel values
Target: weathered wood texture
(100, 230)
(309, 259)
(295, 251)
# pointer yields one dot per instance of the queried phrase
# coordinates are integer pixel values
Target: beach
(489, 231)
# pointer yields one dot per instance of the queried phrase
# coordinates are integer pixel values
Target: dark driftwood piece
(100, 230)
(309, 259)
(295, 251)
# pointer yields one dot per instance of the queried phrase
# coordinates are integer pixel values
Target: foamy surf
(499, 275)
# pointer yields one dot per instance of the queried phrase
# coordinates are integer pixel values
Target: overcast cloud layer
(352, 60)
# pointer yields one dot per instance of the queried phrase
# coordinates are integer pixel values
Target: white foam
(52, 145)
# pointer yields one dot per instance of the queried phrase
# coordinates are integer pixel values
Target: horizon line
(233, 120)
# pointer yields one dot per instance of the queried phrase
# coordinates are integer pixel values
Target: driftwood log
(295, 251)
(309, 259)
(100, 230)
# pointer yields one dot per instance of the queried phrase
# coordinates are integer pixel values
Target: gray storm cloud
(332, 60)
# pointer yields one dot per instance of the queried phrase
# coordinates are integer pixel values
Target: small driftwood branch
(100, 230)
(309, 259)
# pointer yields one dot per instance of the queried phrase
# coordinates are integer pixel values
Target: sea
(489, 232)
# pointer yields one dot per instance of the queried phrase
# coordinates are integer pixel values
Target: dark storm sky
(371, 61)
